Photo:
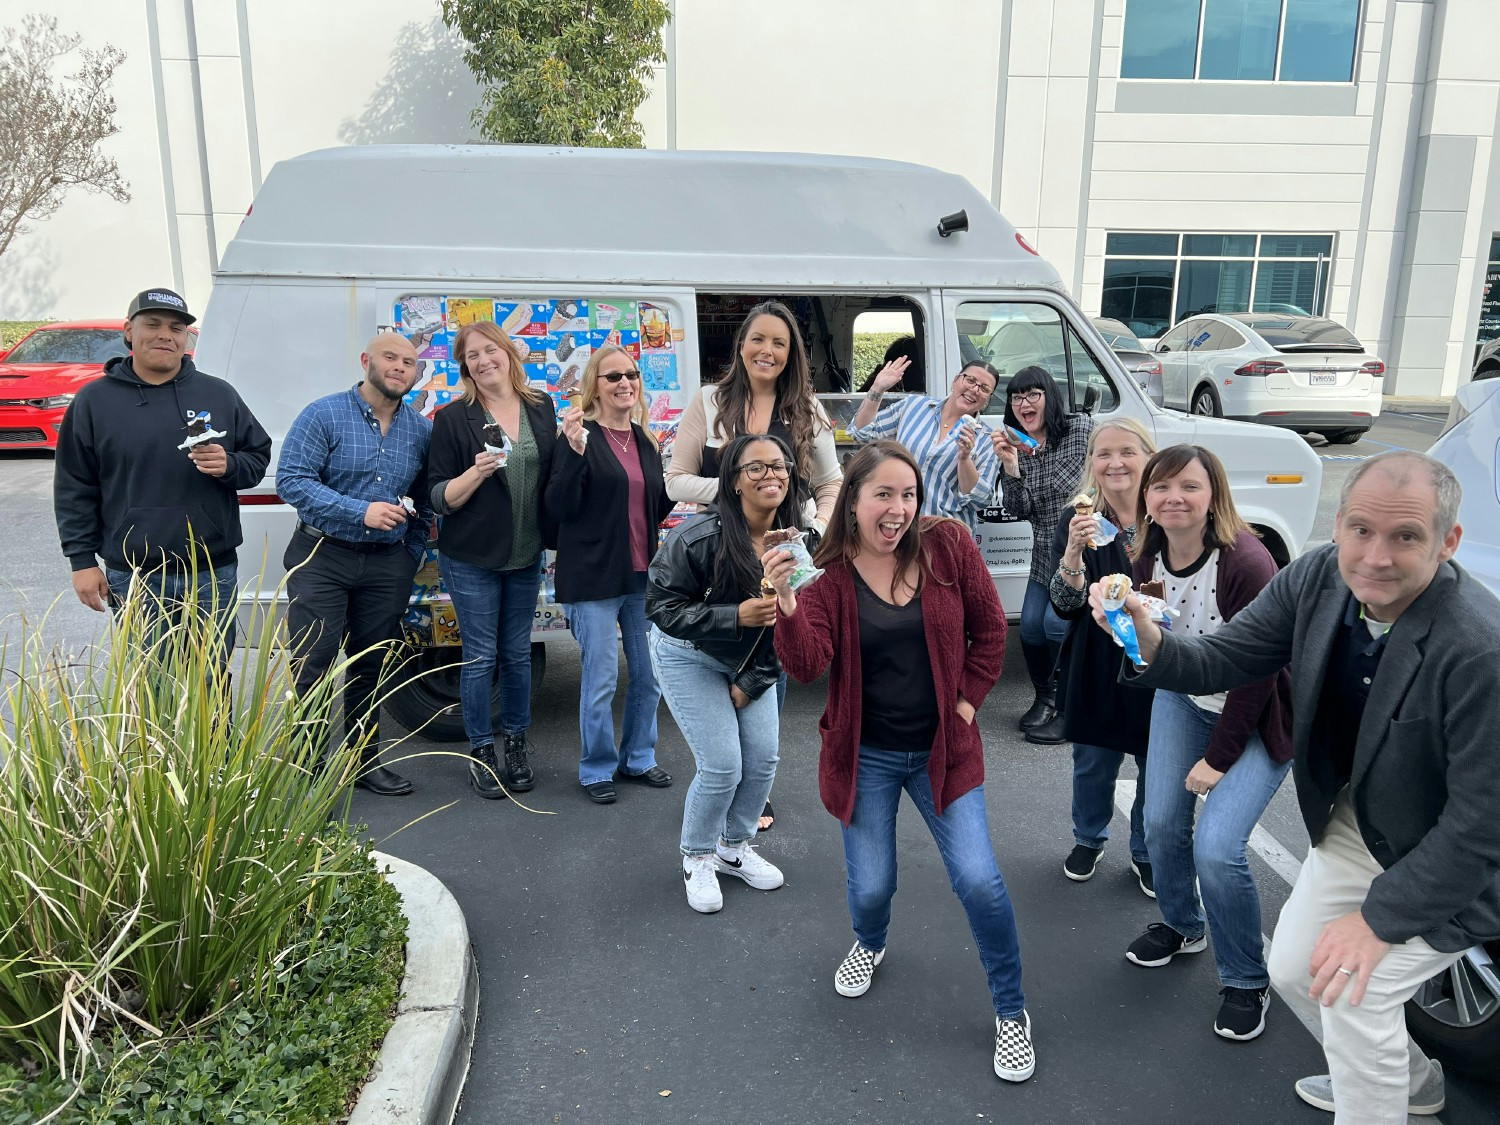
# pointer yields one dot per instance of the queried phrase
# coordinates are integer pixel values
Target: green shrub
(869, 350)
(11, 331)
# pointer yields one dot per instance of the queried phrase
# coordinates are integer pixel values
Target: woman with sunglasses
(715, 659)
(951, 445)
(494, 525)
(608, 496)
(1036, 485)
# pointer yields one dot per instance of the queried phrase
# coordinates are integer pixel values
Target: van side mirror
(1090, 399)
(1163, 347)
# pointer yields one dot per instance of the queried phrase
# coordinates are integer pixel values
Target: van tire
(428, 705)
(1206, 402)
(1473, 1049)
(1274, 546)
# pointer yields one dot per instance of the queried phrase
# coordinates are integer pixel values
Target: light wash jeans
(593, 624)
(1094, 772)
(735, 749)
(1216, 853)
(963, 839)
(495, 609)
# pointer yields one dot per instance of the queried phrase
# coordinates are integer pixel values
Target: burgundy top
(965, 630)
(631, 463)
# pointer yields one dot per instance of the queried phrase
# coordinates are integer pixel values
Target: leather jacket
(682, 603)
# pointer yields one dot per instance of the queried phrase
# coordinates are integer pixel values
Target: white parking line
(1279, 860)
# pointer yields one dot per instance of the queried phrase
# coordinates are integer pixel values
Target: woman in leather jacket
(712, 650)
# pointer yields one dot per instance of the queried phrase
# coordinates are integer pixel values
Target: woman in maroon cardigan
(908, 624)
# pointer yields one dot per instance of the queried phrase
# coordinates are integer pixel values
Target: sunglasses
(756, 470)
(616, 376)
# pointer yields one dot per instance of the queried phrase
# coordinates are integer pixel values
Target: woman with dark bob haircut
(1036, 485)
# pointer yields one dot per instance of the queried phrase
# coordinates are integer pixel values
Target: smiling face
(759, 497)
(487, 362)
(1030, 409)
(1118, 462)
(885, 507)
(618, 398)
(157, 341)
(390, 364)
(971, 390)
(1180, 504)
(766, 348)
(1388, 547)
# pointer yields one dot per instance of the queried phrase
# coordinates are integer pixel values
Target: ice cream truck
(662, 253)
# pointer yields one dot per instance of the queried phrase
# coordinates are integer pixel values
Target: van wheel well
(1275, 546)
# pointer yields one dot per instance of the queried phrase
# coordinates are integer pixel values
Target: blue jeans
(1217, 851)
(963, 839)
(496, 609)
(593, 624)
(1040, 624)
(1094, 773)
(216, 593)
(735, 749)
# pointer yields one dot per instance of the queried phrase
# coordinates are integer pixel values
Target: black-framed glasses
(616, 376)
(1028, 398)
(976, 381)
(756, 470)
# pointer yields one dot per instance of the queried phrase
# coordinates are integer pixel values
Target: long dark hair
(1053, 417)
(1224, 519)
(841, 541)
(795, 404)
(736, 565)
(902, 347)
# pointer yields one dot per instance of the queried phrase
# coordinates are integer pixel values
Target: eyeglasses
(756, 470)
(976, 381)
(616, 376)
(1028, 398)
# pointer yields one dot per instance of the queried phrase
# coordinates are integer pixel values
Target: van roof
(710, 219)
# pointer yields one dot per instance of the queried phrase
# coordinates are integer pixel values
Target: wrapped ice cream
(200, 428)
(791, 540)
(1024, 440)
(409, 507)
(1152, 595)
(497, 441)
(1115, 588)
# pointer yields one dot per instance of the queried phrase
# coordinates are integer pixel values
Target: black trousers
(346, 600)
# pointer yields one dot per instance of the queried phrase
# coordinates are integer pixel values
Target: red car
(42, 373)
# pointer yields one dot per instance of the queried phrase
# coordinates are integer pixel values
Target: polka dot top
(1194, 593)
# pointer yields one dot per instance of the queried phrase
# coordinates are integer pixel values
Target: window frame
(1361, 9)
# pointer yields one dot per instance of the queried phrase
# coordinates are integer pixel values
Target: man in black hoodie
(149, 459)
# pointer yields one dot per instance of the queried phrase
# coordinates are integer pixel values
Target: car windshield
(1306, 334)
(70, 345)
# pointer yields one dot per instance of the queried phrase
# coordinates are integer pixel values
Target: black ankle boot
(1050, 730)
(484, 772)
(1039, 669)
(518, 775)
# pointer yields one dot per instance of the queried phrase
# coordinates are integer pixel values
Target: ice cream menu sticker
(557, 336)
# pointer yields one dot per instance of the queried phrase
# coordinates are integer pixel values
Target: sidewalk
(1417, 404)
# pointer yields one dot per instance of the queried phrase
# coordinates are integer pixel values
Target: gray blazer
(1426, 782)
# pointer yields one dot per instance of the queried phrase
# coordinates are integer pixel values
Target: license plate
(1323, 379)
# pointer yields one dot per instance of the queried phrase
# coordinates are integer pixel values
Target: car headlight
(54, 401)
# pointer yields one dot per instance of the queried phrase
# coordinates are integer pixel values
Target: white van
(664, 252)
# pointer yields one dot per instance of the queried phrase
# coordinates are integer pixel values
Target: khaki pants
(1373, 1062)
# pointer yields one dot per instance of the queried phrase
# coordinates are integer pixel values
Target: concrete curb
(420, 1072)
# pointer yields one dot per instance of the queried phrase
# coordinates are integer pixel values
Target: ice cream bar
(1115, 587)
(1026, 441)
(1153, 589)
(409, 507)
(497, 441)
(790, 540)
(200, 428)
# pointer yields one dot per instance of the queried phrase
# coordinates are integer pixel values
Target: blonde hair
(588, 401)
(491, 331)
(1090, 484)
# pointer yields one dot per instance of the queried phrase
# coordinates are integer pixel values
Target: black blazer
(589, 496)
(480, 532)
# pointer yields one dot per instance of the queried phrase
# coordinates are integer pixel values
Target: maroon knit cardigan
(965, 630)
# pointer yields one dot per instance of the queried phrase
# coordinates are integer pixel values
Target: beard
(380, 385)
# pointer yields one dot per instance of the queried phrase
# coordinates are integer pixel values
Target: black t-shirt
(899, 709)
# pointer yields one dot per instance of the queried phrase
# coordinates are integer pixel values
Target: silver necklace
(624, 445)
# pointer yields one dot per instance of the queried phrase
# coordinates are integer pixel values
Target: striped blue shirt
(914, 420)
(335, 462)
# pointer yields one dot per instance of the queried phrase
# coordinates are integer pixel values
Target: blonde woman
(608, 496)
(1102, 718)
(494, 525)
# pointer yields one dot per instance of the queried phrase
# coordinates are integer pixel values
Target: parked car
(42, 373)
(1456, 1014)
(1487, 362)
(1302, 373)
(1138, 360)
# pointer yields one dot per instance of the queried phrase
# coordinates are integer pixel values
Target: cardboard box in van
(662, 252)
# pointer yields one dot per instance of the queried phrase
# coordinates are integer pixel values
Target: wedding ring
(1346, 972)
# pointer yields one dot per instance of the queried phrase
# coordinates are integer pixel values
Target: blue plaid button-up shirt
(335, 462)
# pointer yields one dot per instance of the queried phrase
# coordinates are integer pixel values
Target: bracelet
(1068, 570)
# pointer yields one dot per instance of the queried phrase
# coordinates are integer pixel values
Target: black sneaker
(1081, 861)
(484, 772)
(1242, 1015)
(1160, 943)
(1143, 875)
(518, 775)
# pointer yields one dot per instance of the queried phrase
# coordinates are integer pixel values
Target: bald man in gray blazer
(1395, 662)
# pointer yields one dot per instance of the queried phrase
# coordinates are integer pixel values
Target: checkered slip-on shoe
(854, 975)
(1015, 1059)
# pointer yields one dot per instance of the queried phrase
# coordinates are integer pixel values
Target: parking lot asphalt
(604, 999)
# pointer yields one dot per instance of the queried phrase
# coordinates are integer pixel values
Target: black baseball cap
(163, 300)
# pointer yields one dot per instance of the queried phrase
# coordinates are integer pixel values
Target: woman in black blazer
(488, 464)
(608, 495)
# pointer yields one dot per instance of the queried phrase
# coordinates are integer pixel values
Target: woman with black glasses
(608, 495)
(1042, 453)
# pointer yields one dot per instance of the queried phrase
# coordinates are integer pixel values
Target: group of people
(1258, 673)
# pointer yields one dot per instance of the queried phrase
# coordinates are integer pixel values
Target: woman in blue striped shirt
(947, 439)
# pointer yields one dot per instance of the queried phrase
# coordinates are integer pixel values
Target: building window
(1241, 40)
(1152, 281)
